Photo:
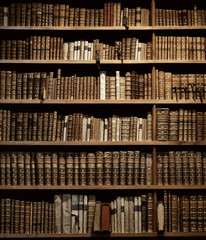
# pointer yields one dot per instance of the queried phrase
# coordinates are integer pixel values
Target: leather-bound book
(69, 168)
(66, 213)
(90, 212)
(20, 168)
(40, 168)
(193, 213)
(61, 168)
(99, 168)
(107, 168)
(83, 168)
(97, 225)
(91, 169)
(106, 217)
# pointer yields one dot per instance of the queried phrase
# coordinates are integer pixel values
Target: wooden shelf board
(109, 143)
(30, 61)
(103, 187)
(104, 235)
(82, 235)
(100, 28)
(93, 102)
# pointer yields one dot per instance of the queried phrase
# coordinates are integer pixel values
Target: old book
(90, 212)
(80, 213)
(193, 213)
(66, 213)
(98, 217)
(144, 213)
(160, 216)
(107, 168)
(106, 217)
(75, 208)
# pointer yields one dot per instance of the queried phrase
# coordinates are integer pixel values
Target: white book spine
(103, 85)
(85, 214)
(117, 85)
(131, 214)
(75, 201)
(121, 19)
(66, 213)
(89, 51)
(92, 51)
(65, 50)
(137, 137)
(88, 128)
(122, 214)
(140, 213)
(65, 128)
(86, 43)
(71, 51)
(126, 215)
(6, 16)
(84, 128)
(136, 217)
(160, 216)
(118, 214)
(139, 51)
(82, 50)
(75, 50)
(140, 129)
(136, 49)
(115, 216)
(78, 49)
(58, 215)
(118, 129)
(81, 210)
(101, 129)
(105, 130)
(122, 88)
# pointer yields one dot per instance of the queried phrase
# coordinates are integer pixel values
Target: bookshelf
(108, 106)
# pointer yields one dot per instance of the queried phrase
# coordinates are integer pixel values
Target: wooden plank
(109, 143)
(5, 61)
(94, 102)
(102, 28)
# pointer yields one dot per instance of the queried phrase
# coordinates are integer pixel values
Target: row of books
(181, 17)
(26, 216)
(54, 48)
(39, 14)
(132, 85)
(179, 86)
(179, 48)
(54, 126)
(181, 168)
(41, 85)
(181, 125)
(71, 213)
(76, 168)
(182, 212)
(124, 214)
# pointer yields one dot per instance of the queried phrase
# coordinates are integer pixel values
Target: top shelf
(107, 28)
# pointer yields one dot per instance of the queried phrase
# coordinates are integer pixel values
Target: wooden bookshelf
(102, 62)
(104, 28)
(103, 102)
(154, 145)
(98, 143)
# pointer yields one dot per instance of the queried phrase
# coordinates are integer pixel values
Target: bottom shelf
(105, 235)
